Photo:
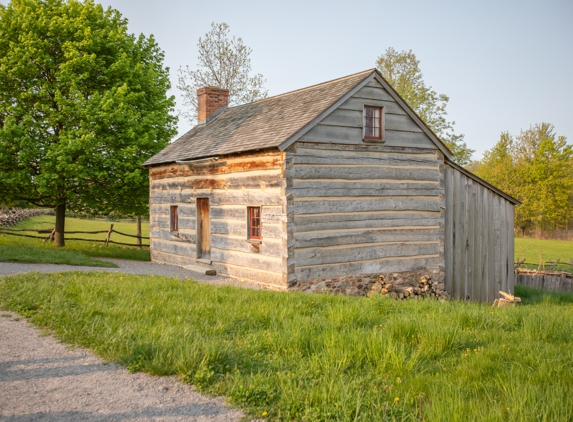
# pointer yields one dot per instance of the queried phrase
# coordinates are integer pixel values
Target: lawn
(22, 249)
(536, 250)
(318, 357)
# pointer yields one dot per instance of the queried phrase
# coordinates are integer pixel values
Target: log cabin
(324, 189)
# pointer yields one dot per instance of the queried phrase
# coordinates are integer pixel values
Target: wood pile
(419, 287)
(506, 300)
(10, 217)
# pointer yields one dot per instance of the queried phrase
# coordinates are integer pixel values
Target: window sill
(255, 241)
(374, 141)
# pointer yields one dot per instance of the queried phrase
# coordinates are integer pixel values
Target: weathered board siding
(363, 209)
(344, 125)
(479, 239)
(231, 185)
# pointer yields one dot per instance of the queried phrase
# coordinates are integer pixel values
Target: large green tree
(537, 168)
(82, 105)
(402, 70)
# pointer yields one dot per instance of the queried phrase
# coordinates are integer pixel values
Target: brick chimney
(210, 99)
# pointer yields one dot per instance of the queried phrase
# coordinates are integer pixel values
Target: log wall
(478, 239)
(363, 209)
(231, 184)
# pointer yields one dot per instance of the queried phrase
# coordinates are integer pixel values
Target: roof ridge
(305, 88)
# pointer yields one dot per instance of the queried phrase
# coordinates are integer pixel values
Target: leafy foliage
(224, 63)
(402, 70)
(82, 104)
(537, 168)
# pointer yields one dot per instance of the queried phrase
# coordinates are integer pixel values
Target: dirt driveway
(42, 379)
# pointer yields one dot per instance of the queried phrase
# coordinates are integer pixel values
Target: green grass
(535, 250)
(318, 357)
(22, 249)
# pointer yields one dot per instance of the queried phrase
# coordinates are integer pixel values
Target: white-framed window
(373, 123)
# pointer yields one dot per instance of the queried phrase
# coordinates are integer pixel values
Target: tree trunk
(138, 222)
(60, 224)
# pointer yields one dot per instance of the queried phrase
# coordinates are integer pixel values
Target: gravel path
(127, 267)
(42, 379)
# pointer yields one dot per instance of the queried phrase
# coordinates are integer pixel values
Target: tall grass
(21, 249)
(316, 357)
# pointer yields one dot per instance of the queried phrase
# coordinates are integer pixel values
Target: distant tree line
(535, 167)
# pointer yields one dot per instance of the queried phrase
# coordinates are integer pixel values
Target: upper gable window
(373, 123)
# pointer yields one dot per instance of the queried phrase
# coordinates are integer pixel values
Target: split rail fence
(51, 232)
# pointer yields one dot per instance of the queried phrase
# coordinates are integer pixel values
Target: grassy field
(22, 249)
(537, 250)
(317, 357)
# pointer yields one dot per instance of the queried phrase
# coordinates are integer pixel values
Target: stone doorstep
(200, 269)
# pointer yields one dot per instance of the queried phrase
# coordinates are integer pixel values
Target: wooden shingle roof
(263, 124)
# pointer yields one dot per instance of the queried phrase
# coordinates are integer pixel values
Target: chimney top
(210, 100)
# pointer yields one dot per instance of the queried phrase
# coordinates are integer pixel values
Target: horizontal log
(249, 260)
(337, 238)
(364, 172)
(183, 236)
(318, 190)
(237, 197)
(184, 210)
(239, 228)
(267, 247)
(274, 279)
(235, 181)
(337, 222)
(368, 204)
(172, 259)
(171, 247)
(309, 156)
(269, 213)
(362, 147)
(321, 256)
(376, 266)
(227, 165)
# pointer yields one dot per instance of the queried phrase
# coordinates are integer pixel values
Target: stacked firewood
(9, 217)
(410, 288)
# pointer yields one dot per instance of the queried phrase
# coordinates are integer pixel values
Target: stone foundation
(361, 284)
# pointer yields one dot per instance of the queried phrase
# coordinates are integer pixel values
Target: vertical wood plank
(498, 250)
(490, 247)
(503, 245)
(474, 249)
(464, 224)
(511, 246)
(449, 225)
(457, 235)
(478, 268)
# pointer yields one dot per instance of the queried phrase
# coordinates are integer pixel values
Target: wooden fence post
(49, 238)
(108, 235)
(138, 222)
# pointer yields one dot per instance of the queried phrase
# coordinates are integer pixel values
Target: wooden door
(203, 229)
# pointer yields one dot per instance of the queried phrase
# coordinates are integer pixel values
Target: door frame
(200, 232)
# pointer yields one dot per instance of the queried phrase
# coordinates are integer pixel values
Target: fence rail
(107, 240)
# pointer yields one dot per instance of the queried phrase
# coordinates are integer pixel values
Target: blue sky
(505, 64)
